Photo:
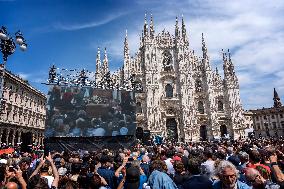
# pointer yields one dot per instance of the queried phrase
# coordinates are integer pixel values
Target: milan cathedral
(182, 97)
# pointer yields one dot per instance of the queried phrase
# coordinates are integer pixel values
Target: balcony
(170, 101)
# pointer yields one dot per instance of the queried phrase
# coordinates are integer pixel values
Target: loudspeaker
(146, 136)
(26, 141)
(139, 133)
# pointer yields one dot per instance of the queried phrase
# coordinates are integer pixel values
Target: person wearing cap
(133, 179)
(106, 172)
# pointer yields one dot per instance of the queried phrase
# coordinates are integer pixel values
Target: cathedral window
(281, 115)
(264, 117)
(272, 116)
(274, 125)
(198, 85)
(200, 107)
(169, 91)
(258, 126)
(220, 106)
(138, 107)
(167, 60)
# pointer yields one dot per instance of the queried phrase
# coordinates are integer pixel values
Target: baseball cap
(132, 178)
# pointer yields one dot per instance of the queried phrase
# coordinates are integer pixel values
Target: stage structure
(87, 113)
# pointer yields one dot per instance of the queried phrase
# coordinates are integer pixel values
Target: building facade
(23, 112)
(269, 122)
(183, 97)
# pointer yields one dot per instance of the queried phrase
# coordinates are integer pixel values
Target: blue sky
(67, 34)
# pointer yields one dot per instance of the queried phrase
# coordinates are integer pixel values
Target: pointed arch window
(167, 60)
(169, 91)
(138, 108)
(220, 106)
(198, 85)
(200, 107)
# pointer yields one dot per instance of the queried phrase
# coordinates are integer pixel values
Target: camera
(11, 169)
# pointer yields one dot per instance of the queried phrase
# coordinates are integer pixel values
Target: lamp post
(8, 47)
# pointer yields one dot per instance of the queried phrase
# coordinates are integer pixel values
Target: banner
(7, 151)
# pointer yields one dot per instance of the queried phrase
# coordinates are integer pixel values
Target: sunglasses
(253, 180)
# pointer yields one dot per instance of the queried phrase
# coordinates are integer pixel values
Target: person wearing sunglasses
(257, 181)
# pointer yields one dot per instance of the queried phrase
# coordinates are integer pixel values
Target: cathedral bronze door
(203, 132)
(172, 132)
(223, 130)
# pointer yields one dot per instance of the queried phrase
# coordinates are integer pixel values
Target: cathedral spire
(145, 26)
(126, 47)
(204, 48)
(105, 63)
(176, 29)
(152, 31)
(98, 61)
(224, 55)
(183, 29)
(217, 70)
(276, 99)
(229, 54)
(126, 63)
(228, 65)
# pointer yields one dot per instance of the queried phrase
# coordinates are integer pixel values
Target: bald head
(251, 173)
(11, 185)
(254, 177)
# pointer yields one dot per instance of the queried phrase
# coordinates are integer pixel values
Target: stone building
(269, 122)
(183, 97)
(23, 112)
(248, 123)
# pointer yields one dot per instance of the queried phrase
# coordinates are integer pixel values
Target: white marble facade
(183, 97)
(23, 111)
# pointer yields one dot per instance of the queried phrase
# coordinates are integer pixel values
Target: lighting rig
(85, 78)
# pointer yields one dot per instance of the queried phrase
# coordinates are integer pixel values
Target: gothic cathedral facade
(183, 98)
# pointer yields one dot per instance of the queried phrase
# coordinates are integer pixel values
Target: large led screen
(88, 112)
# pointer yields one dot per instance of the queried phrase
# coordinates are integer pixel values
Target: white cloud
(92, 24)
(23, 75)
(252, 30)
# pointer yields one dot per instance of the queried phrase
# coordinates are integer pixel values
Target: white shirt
(49, 180)
(170, 166)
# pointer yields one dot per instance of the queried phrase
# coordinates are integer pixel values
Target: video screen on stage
(89, 112)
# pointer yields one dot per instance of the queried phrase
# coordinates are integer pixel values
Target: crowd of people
(225, 164)
(89, 112)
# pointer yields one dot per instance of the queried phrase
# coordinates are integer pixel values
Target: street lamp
(8, 47)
